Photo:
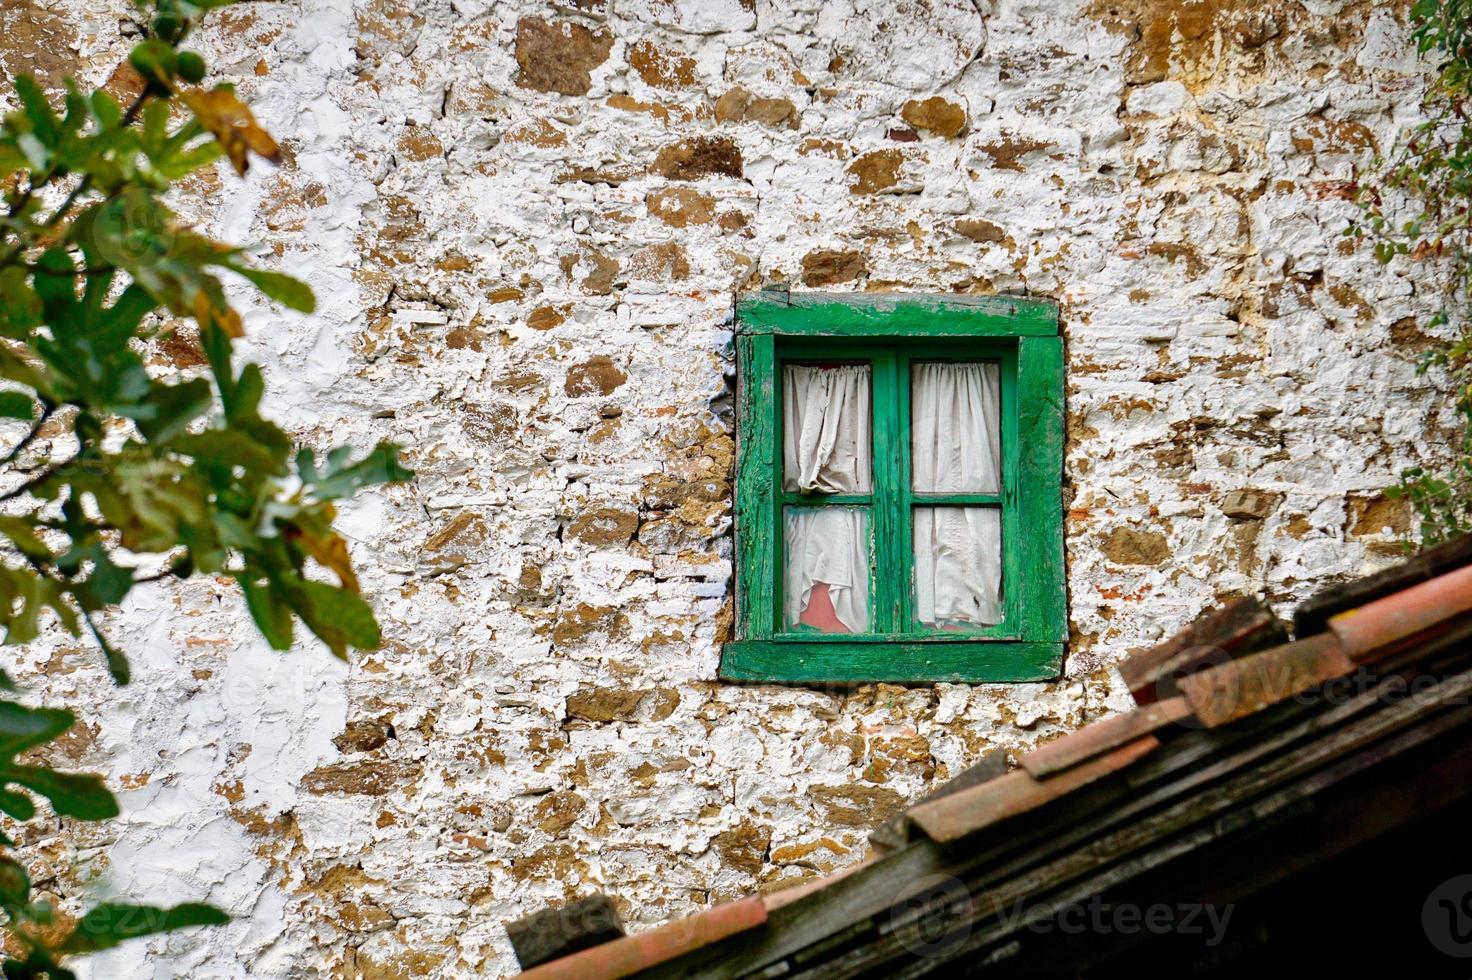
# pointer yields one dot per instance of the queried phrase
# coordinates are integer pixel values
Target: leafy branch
(130, 464)
(1418, 209)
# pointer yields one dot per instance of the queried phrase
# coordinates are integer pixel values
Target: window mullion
(888, 520)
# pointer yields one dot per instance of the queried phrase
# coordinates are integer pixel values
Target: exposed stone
(824, 267)
(664, 262)
(1132, 546)
(373, 778)
(743, 847)
(365, 735)
(583, 620)
(1249, 505)
(680, 207)
(876, 171)
(697, 157)
(598, 375)
(1372, 514)
(935, 114)
(660, 65)
(857, 805)
(559, 57)
(739, 105)
(604, 704)
(604, 526)
(979, 230)
(1008, 153)
(556, 812)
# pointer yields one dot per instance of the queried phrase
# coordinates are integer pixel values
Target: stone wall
(525, 223)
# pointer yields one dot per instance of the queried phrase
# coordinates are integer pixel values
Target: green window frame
(888, 333)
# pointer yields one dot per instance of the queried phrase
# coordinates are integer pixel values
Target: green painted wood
(895, 661)
(888, 562)
(1038, 544)
(868, 315)
(757, 534)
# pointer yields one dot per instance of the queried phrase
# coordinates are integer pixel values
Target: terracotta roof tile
(622, 957)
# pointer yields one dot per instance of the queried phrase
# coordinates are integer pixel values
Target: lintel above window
(898, 501)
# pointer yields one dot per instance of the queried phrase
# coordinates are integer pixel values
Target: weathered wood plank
(557, 932)
(756, 443)
(870, 315)
(900, 662)
(1313, 615)
(1038, 573)
(1244, 626)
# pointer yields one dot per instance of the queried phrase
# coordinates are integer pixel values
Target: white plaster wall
(1175, 175)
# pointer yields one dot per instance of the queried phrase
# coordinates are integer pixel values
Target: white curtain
(825, 429)
(956, 448)
(829, 545)
(827, 449)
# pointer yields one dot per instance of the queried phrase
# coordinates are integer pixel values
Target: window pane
(958, 567)
(955, 427)
(826, 587)
(825, 428)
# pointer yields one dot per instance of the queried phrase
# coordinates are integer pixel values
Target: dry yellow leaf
(233, 125)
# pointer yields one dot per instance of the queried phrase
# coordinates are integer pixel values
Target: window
(898, 499)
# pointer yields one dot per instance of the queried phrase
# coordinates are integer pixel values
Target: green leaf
(168, 410)
(17, 405)
(24, 728)
(339, 618)
(284, 289)
(15, 884)
(270, 612)
(80, 795)
(230, 448)
(20, 307)
(107, 925)
(342, 479)
(43, 121)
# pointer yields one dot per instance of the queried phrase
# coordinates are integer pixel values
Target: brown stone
(739, 105)
(604, 526)
(680, 207)
(979, 230)
(598, 375)
(666, 700)
(464, 528)
(875, 171)
(1132, 546)
(604, 704)
(374, 778)
(559, 57)
(38, 40)
(823, 267)
(1007, 153)
(493, 423)
(546, 317)
(935, 114)
(581, 621)
(665, 262)
(600, 278)
(365, 735)
(1372, 514)
(743, 847)
(699, 156)
(858, 805)
(661, 66)
(1249, 505)
(558, 811)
